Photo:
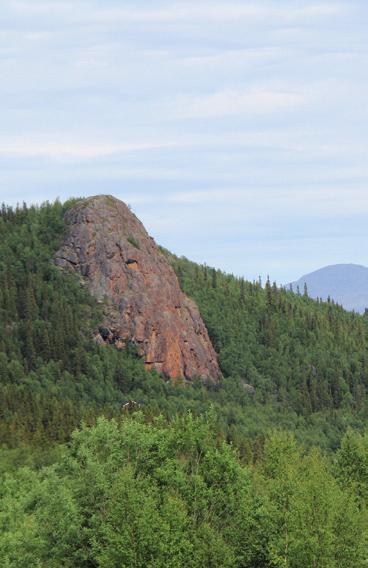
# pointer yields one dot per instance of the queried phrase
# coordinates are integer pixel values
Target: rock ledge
(124, 269)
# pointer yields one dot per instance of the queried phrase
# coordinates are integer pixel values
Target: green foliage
(294, 363)
(133, 241)
(352, 462)
(313, 520)
(301, 354)
(52, 374)
(195, 479)
(130, 494)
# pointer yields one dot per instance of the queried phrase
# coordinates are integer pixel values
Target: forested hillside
(304, 354)
(287, 360)
(132, 494)
(203, 474)
(52, 373)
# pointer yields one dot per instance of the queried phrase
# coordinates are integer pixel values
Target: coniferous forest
(267, 468)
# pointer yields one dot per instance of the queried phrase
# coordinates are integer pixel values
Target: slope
(288, 361)
(346, 284)
(303, 354)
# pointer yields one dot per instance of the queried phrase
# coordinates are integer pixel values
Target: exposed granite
(124, 269)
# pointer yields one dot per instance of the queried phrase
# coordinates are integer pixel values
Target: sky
(236, 130)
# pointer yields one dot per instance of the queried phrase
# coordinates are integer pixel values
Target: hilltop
(65, 354)
(108, 460)
(346, 284)
(142, 301)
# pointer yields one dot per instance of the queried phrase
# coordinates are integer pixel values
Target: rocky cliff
(124, 269)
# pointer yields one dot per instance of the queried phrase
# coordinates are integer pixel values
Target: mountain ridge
(345, 283)
(286, 359)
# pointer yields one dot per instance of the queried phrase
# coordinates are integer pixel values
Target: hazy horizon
(234, 129)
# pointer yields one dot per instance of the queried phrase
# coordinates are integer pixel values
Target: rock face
(124, 269)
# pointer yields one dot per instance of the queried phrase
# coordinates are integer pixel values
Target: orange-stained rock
(126, 272)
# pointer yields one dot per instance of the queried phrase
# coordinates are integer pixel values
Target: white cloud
(233, 102)
(180, 11)
(234, 57)
(214, 196)
(231, 11)
(301, 143)
(263, 202)
(83, 150)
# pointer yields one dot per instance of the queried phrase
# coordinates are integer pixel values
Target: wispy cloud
(71, 146)
(181, 11)
(242, 119)
(218, 11)
(64, 150)
(318, 200)
(233, 102)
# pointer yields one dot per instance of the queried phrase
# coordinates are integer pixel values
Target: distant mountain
(347, 284)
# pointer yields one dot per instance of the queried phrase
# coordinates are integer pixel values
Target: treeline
(52, 374)
(132, 493)
(194, 478)
(303, 354)
(288, 360)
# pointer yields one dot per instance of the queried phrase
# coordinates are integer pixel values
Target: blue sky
(237, 131)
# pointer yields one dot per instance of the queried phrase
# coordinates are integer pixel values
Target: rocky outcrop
(142, 301)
